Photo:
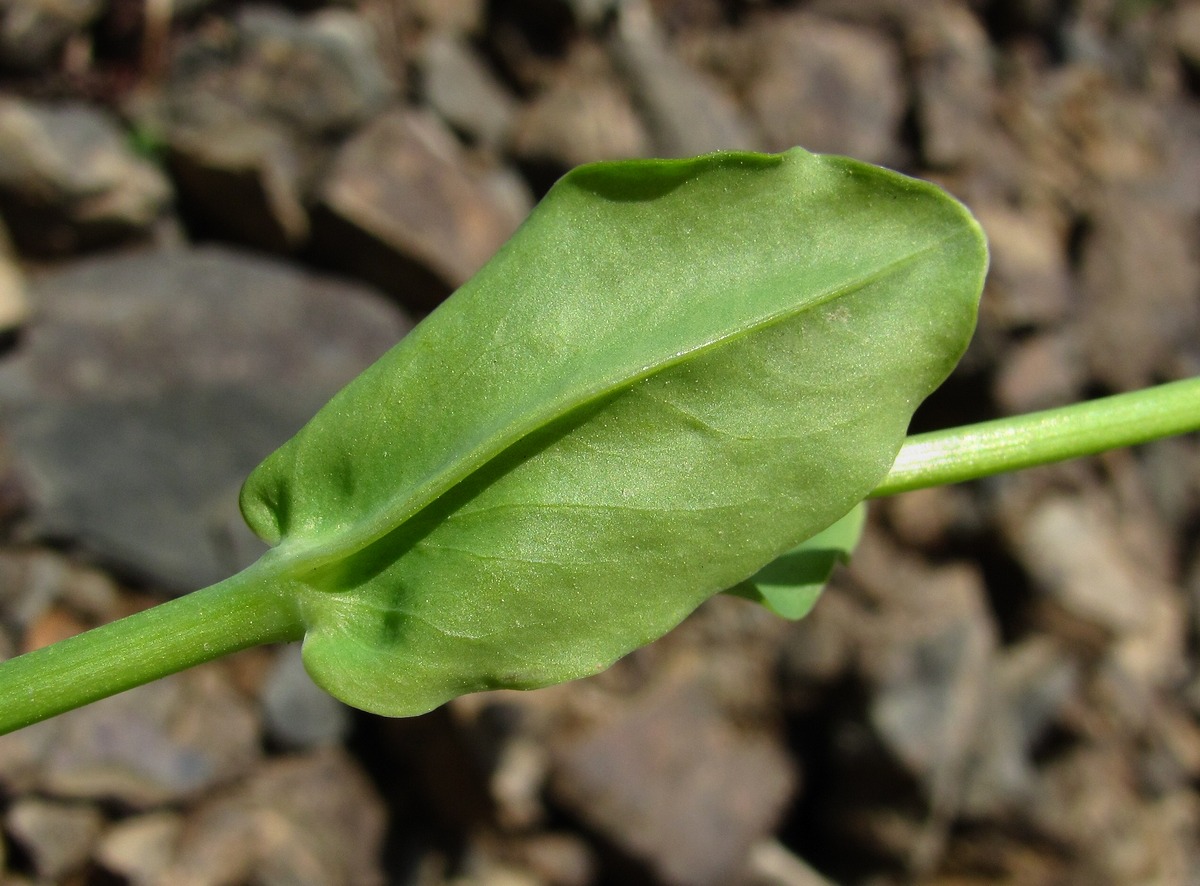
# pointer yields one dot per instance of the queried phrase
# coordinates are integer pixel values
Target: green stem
(1024, 441)
(245, 610)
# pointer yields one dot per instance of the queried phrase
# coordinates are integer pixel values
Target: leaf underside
(673, 373)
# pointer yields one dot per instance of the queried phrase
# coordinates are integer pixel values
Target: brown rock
(400, 209)
(585, 115)
(253, 165)
(1029, 282)
(310, 819)
(14, 302)
(57, 836)
(1140, 272)
(828, 87)
(1038, 373)
(671, 780)
(1186, 29)
(952, 60)
(1081, 558)
(32, 32)
(139, 849)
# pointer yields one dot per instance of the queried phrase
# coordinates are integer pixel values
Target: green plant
(679, 377)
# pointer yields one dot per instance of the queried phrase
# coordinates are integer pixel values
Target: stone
(951, 57)
(1029, 280)
(140, 848)
(1139, 274)
(297, 713)
(1088, 803)
(36, 579)
(450, 16)
(585, 115)
(828, 87)
(770, 863)
(244, 178)
(153, 383)
(165, 742)
(920, 647)
(14, 301)
(928, 670)
(685, 110)
(1186, 30)
(57, 836)
(1038, 373)
(33, 32)
(672, 781)
(1032, 683)
(1080, 556)
(69, 179)
(457, 84)
(245, 114)
(319, 75)
(929, 518)
(303, 819)
(399, 208)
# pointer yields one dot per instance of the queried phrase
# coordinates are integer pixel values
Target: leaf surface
(673, 373)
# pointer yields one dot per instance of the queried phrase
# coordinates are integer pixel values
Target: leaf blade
(585, 464)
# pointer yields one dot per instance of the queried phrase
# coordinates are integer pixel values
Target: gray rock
(297, 713)
(686, 111)
(952, 65)
(585, 115)
(318, 75)
(309, 819)
(400, 208)
(70, 180)
(828, 87)
(458, 85)
(1032, 682)
(1139, 274)
(32, 32)
(153, 383)
(161, 743)
(57, 836)
(929, 669)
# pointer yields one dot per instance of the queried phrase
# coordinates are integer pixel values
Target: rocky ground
(218, 213)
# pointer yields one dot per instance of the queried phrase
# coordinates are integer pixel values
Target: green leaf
(673, 373)
(790, 585)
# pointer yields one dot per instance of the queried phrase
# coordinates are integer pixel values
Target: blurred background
(217, 213)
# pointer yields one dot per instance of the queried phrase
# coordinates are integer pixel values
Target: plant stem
(1009, 444)
(245, 610)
